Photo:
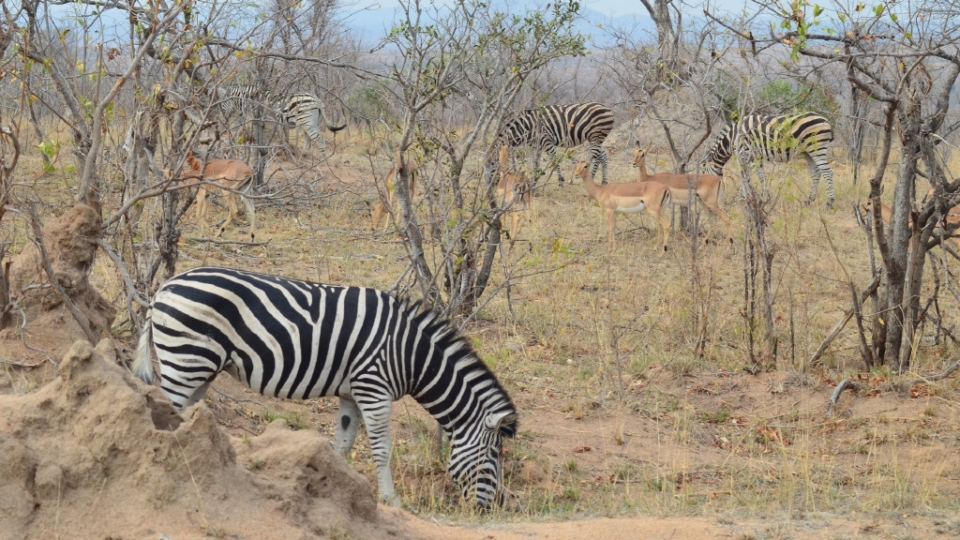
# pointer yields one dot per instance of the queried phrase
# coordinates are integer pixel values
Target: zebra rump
(296, 339)
(551, 126)
(301, 110)
(778, 139)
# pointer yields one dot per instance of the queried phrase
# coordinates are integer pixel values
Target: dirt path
(677, 528)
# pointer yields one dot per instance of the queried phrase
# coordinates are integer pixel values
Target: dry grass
(619, 414)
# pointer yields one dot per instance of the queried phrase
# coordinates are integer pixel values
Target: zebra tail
(333, 129)
(142, 367)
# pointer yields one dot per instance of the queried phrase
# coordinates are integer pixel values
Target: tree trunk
(895, 261)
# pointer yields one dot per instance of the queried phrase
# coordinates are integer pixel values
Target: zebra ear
(502, 420)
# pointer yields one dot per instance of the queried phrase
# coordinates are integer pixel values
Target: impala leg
(232, 211)
(377, 214)
(251, 215)
(516, 221)
(726, 221)
(611, 228)
(664, 227)
(201, 210)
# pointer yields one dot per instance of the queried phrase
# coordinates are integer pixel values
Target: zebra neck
(456, 387)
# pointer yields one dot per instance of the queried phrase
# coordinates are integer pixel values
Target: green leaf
(893, 17)
(878, 10)
(817, 10)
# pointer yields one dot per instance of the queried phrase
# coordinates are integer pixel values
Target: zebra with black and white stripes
(300, 110)
(779, 139)
(551, 126)
(296, 339)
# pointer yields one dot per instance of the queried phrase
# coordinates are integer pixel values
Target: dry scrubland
(619, 416)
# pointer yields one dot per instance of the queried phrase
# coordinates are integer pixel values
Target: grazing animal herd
(296, 339)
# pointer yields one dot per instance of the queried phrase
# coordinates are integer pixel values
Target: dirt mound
(71, 244)
(89, 456)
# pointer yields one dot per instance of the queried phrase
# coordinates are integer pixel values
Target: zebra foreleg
(348, 422)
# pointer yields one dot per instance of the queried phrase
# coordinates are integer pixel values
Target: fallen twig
(943, 375)
(845, 384)
(236, 400)
(227, 242)
(846, 318)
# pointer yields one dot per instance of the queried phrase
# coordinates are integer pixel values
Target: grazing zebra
(559, 125)
(298, 110)
(295, 339)
(778, 138)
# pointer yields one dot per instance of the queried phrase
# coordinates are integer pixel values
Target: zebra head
(476, 457)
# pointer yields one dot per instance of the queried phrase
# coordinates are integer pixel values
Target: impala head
(867, 208)
(640, 156)
(583, 169)
(192, 161)
(476, 457)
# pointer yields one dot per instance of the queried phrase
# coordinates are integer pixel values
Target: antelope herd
(760, 137)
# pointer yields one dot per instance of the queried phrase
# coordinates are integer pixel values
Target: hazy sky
(615, 8)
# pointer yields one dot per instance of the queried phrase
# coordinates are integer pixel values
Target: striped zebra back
(297, 110)
(240, 97)
(773, 138)
(559, 125)
(296, 339)
(548, 127)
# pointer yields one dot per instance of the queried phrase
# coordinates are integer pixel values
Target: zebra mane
(446, 338)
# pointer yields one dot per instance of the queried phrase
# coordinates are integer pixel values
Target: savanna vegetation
(707, 379)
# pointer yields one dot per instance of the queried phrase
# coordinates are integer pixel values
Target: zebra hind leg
(599, 159)
(817, 168)
(348, 421)
(376, 416)
(198, 394)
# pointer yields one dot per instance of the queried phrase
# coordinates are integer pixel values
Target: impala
(631, 198)
(885, 211)
(230, 176)
(512, 189)
(380, 210)
(708, 187)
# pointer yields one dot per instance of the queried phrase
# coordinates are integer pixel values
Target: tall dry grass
(609, 340)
